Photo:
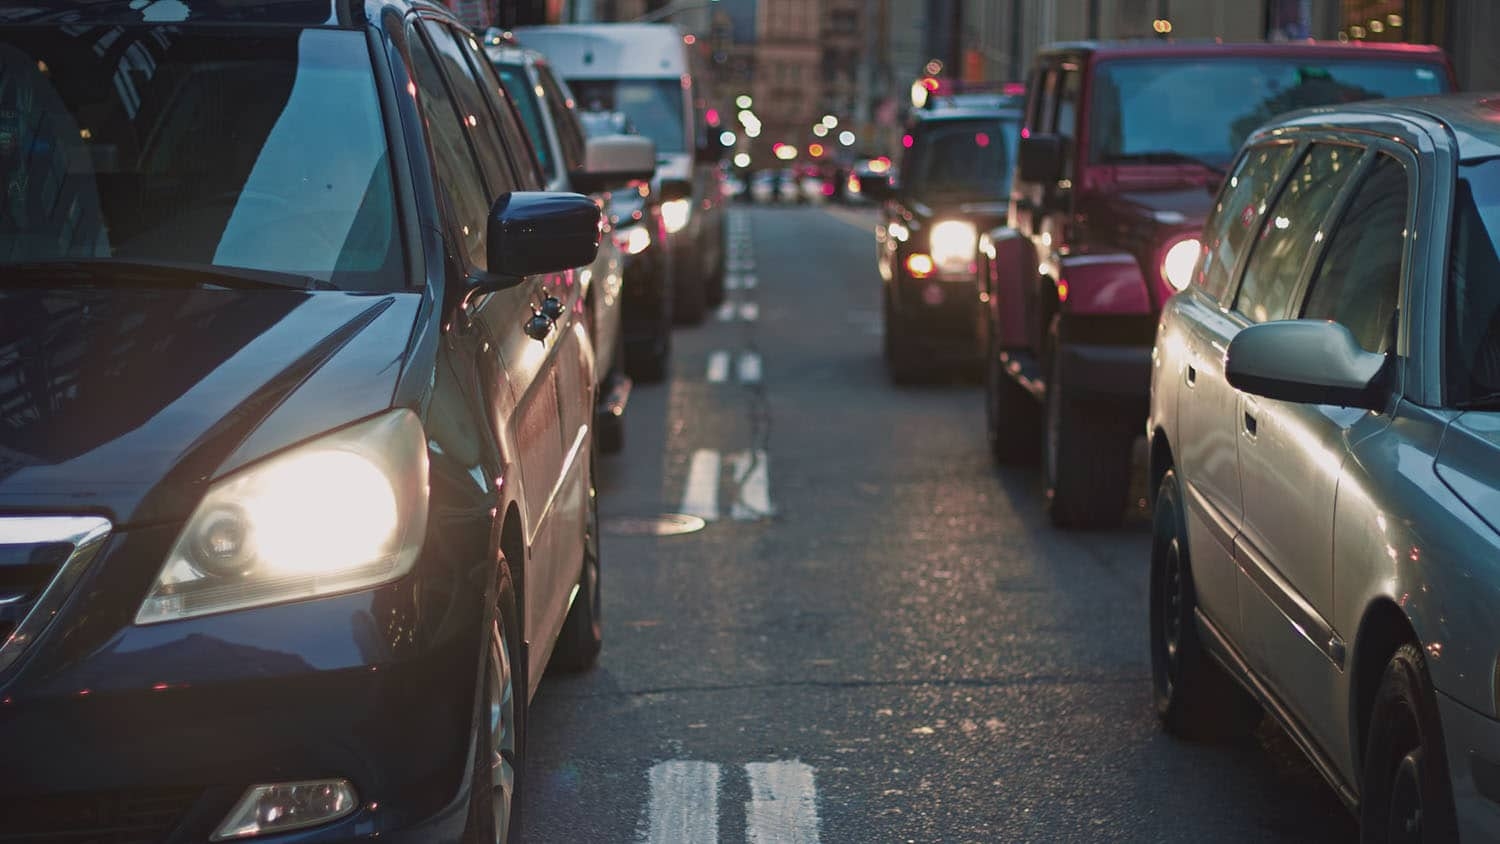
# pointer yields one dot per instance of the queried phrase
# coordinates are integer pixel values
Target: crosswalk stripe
(726, 312)
(752, 472)
(749, 368)
(783, 806)
(718, 367)
(734, 281)
(701, 498)
(749, 280)
(749, 311)
(684, 806)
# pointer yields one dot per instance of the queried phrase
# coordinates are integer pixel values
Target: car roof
(339, 13)
(1473, 120)
(1325, 49)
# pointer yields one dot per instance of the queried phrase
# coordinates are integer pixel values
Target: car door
(1206, 447)
(1292, 455)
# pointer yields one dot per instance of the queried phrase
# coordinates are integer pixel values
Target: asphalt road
(876, 637)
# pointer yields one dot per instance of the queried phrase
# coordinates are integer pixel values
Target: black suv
(296, 477)
(953, 182)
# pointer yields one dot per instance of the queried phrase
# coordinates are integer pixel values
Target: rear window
(961, 160)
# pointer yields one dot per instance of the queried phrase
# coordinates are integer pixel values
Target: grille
(41, 559)
(116, 817)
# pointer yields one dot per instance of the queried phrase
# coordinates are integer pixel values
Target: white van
(645, 71)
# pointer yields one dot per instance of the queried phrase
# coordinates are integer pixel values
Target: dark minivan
(296, 485)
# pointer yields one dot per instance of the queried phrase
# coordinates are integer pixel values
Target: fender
(1101, 284)
(1010, 275)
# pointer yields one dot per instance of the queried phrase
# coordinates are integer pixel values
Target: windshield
(1472, 367)
(653, 105)
(244, 151)
(513, 77)
(1154, 110)
(961, 160)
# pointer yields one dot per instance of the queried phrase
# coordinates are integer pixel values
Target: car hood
(129, 402)
(1167, 206)
(985, 214)
(1468, 462)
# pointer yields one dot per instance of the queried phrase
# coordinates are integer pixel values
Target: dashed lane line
(684, 803)
(701, 497)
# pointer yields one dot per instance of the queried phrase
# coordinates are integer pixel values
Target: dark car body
(953, 182)
(1124, 145)
(148, 368)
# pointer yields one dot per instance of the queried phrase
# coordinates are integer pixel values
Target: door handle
(552, 308)
(1192, 375)
(538, 326)
(1249, 424)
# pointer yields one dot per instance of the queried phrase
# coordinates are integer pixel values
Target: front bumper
(1473, 745)
(938, 314)
(104, 717)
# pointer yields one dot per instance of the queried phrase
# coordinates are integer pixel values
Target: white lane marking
(684, 802)
(718, 367)
(734, 281)
(750, 281)
(741, 266)
(701, 498)
(752, 471)
(783, 806)
(749, 311)
(749, 368)
(725, 312)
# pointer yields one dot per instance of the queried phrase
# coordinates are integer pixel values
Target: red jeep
(1122, 154)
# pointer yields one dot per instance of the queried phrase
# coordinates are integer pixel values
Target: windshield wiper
(107, 272)
(1163, 156)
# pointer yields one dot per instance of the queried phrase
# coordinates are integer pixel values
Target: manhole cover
(666, 524)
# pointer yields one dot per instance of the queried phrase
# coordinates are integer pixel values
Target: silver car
(1325, 455)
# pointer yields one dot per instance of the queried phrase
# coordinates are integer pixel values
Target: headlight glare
(952, 245)
(1178, 261)
(346, 511)
(633, 241)
(675, 213)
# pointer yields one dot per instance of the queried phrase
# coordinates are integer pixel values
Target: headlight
(346, 511)
(633, 241)
(952, 245)
(675, 213)
(1178, 261)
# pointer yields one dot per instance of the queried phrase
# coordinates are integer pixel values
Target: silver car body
(1322, 536)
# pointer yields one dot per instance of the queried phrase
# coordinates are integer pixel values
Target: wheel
(714, 283)
(1087, 458)
(691, 302)
(1195, 698)
(499, 758)
(582, 634)
(1012, 418)
(1406, 796)
(609, 433)
(900, 360)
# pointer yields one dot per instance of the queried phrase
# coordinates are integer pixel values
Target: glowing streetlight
(742, 159)
(727, 138)
(820, 130)
(846, 138)
(830, 121)
(743, 101)
(785, 152)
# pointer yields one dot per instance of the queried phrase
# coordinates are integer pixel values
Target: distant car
(763, 187)
(1124, 142)
(954, 183)
(1325, 456)
(600, 166)
(297, 419)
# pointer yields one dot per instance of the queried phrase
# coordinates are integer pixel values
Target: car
(647, 71)
(572, 162)
(954, 183)
(1325, 462)
(296, 469)
(1123, 145)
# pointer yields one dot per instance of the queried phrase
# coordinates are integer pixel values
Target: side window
(1291, 230)
(1358, 282)
(1034, 99)
(557, 103)
(1067, 114)
(522, 152)
(457, 172)
(1238, 213)
(1047, 111)
(523, 95)
(476, 115)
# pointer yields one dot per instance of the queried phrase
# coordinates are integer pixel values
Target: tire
(1405, 792)
(500, 730)
(713, 285)
(901, 362)
(582, 635)
(1194, 698)
(1012, 419)
(1086, 458)
(691, 302)
(648, 360)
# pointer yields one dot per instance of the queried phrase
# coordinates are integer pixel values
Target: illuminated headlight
(952, 245)
(633, 241)
(1178, 261)
(346, 511)
(675, 213)
(269, 809)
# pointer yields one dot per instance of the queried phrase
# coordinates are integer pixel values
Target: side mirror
(532, 232)
(676, 189)
(1039, 159)
(614, 161)
(876, 186)
(1307, 361)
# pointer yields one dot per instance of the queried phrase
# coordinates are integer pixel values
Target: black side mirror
(531, 232)
(1040, 159)
(876, 186)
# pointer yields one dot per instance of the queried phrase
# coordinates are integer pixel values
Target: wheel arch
(1160, 461)
(513, 548)
(1384, 627)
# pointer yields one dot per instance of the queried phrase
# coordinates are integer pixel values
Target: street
(876, 637)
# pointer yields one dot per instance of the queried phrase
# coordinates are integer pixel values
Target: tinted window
(457, 172)
(1358, 282)
(1237, 214)
(520, 151)
(1472, 367)
(960, 159)
(524, 94)
(1067, 116)
(478, 118)
(560, 104)
(1291, 230)
(653, 105)
(1149, 109)
(199, 149)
